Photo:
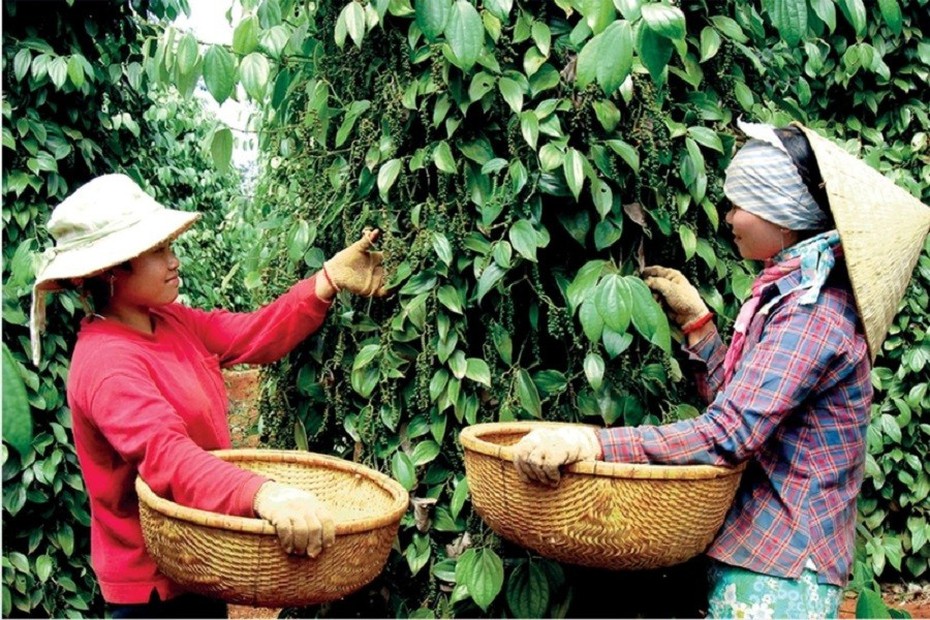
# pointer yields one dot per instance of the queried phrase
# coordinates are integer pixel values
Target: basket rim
(472, 439)
(250, 525)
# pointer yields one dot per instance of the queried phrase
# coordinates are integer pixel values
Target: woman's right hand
(303, 524)
(357, 268)
(681, 298)
(538, 456)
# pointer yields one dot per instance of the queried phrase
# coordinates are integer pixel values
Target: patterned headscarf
(762, 180)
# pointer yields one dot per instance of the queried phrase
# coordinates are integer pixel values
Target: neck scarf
(814, 257)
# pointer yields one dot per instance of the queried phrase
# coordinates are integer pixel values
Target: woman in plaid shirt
(791, 395)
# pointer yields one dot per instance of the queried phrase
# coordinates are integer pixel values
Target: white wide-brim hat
(882, 228)
(104, 223)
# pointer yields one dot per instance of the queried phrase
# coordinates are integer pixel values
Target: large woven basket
(604, 515)
(239, 559)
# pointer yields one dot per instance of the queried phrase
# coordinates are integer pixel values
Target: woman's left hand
(681, 297)
(303, 524)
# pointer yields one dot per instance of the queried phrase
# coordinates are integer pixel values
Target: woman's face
(153, 280)
(756, 238)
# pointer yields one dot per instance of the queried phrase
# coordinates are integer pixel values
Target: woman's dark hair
(802, 156)
(96, 289)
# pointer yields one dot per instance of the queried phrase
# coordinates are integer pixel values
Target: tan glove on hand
(303, 524)
(541, 452)
(683, 300)
(357, 269)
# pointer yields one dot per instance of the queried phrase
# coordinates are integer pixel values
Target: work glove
(540, 453)
(303, 524)
(357, 269)
(681, 298)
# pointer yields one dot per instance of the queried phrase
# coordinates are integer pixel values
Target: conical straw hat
(882, 228)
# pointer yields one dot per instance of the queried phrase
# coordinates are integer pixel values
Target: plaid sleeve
(707, 364)
(798, 347)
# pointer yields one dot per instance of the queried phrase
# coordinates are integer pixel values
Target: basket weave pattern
(604, 515)
(240, 560)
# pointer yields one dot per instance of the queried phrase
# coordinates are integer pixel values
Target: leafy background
(524, 160)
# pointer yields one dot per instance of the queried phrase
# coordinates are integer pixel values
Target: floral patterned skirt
(739, 593)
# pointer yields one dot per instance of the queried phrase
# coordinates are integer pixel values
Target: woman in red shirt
(145, 388)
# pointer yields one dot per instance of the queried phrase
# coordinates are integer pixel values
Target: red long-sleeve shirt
(153, 405)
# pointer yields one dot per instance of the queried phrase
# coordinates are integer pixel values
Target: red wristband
(697, 324)
(329, 279)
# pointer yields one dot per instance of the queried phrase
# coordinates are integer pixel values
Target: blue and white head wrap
(762, 180)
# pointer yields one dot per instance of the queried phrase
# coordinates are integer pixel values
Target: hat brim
(113, 249)
(882, 227)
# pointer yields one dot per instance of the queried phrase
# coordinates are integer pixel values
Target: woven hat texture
(883, 229)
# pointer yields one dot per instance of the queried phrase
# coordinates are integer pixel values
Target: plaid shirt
(797, 409)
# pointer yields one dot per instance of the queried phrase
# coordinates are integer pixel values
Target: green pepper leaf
(17, 418)
(528, 590)
(387, 175)
(594, 370)
(442, 157)
(486, 578)
(465, 34)
(523, 238)
(432, 17)
(219, 72)
(573, 166)
(527, 393)
(614, 302)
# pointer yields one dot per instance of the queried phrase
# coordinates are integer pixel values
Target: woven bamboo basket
(605, 515)
(239, 560)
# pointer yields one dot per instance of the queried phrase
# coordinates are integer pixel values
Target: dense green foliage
(74, 107)
(523, 159)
